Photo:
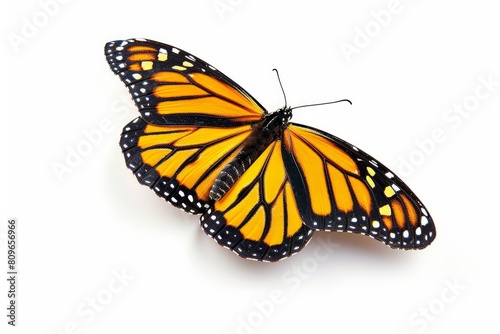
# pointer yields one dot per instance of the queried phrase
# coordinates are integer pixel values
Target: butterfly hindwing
(341, 188)
(171, 86)
(259, 217)
(193, 119)
(180, 163)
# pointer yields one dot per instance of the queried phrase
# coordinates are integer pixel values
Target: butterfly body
(261, 184)
(264, 133)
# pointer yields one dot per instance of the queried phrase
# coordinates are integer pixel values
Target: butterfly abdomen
(263, 134)
(252, 149)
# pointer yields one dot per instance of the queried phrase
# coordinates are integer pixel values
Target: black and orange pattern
(261, 184)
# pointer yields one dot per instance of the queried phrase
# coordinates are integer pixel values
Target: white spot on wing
(424, 221)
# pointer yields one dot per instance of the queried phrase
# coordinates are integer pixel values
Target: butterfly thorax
(263, 134)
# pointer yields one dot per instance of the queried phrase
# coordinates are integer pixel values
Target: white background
(80, 229)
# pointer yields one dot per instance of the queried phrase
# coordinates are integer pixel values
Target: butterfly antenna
(322, 104)
(279, 80)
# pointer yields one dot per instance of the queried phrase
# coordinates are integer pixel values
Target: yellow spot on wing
(370, 181)
(147, 65)
(162, 56)
(178, 68)
(385, 210)
(389, 192)
(370, 171)
(187, 64)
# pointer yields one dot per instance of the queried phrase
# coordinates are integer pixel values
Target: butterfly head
(274, 123)
(285, 114)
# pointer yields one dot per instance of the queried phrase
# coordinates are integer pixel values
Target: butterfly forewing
(171, 86)
(194, 120)
(341, 188)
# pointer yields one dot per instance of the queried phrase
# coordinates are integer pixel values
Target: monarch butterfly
(262, 184)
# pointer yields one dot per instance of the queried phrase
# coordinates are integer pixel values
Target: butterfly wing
(259, 217)
(193, 120)
(338, 187)
(180, 163)
(171, 86)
